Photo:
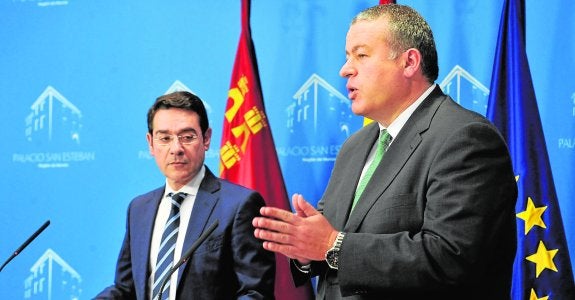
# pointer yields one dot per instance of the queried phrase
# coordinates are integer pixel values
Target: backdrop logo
(465, 90)
(319, 120)
(52, 278)
(54, 125)
(53, 118)
(317, 109)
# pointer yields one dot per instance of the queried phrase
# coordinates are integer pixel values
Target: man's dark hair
(183, 100)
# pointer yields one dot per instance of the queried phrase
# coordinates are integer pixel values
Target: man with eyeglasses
(231, 263)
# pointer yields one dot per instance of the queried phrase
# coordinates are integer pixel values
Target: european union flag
(542, 268)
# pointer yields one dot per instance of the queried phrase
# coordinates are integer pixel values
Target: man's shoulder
(229, 186)
(210, 179)
(449, 106)
(235, 197)
(145, 197)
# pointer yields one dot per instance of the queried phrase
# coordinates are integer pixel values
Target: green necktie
(382, 144)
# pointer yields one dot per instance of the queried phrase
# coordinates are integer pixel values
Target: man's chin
(357, 110)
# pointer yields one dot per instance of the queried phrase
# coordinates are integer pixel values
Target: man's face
(177, 161)
(375, 78)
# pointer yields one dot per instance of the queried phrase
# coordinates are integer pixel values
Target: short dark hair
(183, 100)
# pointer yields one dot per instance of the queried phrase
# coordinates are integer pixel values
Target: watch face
(331, 259)
(332, 255)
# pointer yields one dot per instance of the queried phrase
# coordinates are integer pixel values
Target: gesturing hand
(305, 235)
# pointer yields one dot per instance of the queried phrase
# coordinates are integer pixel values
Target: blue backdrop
(77, 77)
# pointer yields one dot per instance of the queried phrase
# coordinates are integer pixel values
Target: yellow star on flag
(532, 215)
(533, 296)
(543, 259)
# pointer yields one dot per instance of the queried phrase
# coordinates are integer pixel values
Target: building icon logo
(319, 120)
(53, 119)
(52, 278)
(320, 107)
(466, 90)
(53, 132)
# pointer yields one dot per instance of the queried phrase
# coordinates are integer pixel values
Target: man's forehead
(365, 31)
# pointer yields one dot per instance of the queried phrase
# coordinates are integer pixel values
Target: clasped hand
(305, 235)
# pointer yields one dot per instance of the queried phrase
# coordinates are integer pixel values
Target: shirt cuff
(302, 268)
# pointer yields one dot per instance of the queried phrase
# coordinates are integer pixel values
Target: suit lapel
(346, 186)
(204, 205)
(396, 156)
(141, 231)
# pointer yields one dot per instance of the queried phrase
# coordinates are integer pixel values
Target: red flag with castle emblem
(247, 154)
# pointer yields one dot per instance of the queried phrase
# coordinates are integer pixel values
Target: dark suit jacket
(230, 264)
(437, 219)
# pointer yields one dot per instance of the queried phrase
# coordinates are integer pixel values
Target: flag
(368, 120)
(542, 269)
(247, 155)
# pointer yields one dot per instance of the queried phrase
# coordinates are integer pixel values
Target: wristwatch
(332, 255)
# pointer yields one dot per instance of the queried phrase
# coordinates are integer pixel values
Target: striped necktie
(165, 259)
(382, 144)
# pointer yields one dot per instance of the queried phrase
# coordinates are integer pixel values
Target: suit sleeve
(462, 203)
(253, 265)
(123, 287)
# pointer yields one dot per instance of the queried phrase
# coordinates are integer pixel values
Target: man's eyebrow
(356, 48)
(189, 129)
(161, 131)
(185, 130)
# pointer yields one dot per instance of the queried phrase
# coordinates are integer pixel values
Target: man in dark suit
(231, 263)
(436, 218)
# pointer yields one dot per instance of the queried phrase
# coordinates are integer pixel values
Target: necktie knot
(178, 197)
(384, 139)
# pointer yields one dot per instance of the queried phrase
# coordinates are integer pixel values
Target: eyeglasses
(166, 139)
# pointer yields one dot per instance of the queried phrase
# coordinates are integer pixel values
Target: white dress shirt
(191, 188)
(395, 127)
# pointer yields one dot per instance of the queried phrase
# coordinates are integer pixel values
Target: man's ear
(412, 62)
(207, 138)
(150, 140)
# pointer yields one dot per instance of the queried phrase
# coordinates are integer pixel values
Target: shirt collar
(191, 188)
(395, 127)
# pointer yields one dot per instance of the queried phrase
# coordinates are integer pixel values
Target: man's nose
(346, 70)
